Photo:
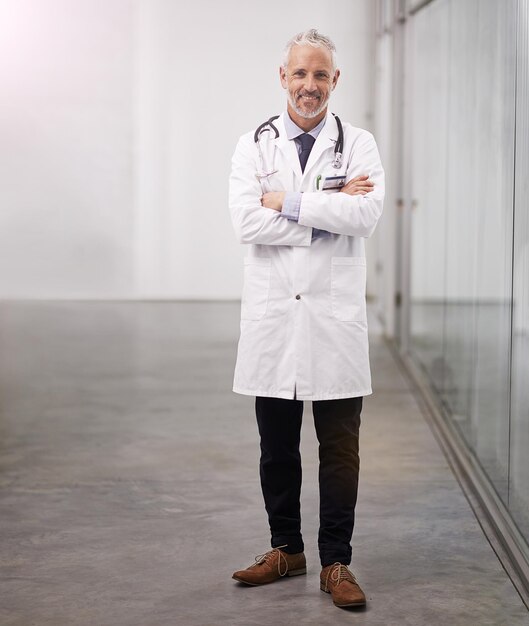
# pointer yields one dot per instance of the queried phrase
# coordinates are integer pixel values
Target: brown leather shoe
(271, 566)
(340, 582)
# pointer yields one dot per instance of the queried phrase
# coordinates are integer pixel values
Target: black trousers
(337, 424)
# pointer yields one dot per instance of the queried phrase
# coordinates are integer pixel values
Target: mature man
(305, 192)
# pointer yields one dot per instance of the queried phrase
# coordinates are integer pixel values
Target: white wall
(66, 130)
(118, 120)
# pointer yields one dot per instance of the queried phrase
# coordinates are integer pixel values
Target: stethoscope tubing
(338, 147)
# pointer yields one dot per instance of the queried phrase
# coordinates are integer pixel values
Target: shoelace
(338, 573)
(266, 556)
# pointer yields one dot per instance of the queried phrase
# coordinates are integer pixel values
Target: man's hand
(358, 186)
(273, 200)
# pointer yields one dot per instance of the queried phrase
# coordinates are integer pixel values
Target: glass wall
(469, 265)
(519, 418)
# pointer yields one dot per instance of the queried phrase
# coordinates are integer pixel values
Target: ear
(283, 77)
(335, 78)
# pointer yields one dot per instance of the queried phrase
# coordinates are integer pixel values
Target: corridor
(130, 490)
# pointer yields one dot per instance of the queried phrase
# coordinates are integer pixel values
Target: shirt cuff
(291, 205)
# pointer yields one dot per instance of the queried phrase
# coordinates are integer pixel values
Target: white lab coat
(303, 309)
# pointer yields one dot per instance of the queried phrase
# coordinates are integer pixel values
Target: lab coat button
(298, 297)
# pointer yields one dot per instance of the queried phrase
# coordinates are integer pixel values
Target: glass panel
(461, 214)
(463, 63)
(469, 321)
(479, 229)
(494, 186)
(519, 483)
(428, 173)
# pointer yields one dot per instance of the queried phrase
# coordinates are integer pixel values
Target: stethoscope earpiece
(261, 128)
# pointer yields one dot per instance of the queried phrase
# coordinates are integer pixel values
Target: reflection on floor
(130, 491)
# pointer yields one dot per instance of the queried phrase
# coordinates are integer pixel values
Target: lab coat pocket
(256, 288)
(348, 288)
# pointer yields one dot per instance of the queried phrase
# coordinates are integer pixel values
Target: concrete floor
(130, 492)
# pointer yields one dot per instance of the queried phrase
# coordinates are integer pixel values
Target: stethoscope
(269, 126)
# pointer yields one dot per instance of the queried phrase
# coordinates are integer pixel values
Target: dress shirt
(292, 200)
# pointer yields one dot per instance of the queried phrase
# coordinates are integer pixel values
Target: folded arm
(345, 213)
(253, 222)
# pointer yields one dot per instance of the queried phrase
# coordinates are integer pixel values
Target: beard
(292, 99)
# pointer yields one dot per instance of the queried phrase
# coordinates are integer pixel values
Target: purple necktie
(307, 141)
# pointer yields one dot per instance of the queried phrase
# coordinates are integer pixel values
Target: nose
(310, 83)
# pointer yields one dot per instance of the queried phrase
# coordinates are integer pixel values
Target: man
(305, 212)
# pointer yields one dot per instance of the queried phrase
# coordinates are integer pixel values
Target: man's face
(308, 79)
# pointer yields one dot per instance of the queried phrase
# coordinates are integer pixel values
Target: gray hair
(310, 37)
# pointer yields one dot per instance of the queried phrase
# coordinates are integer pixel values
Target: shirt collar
(293, 130)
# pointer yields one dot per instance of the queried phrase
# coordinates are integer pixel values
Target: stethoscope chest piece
(338, 159)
